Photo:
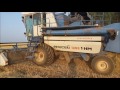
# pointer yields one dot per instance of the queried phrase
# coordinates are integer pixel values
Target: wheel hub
(102, 65)
(40, 57)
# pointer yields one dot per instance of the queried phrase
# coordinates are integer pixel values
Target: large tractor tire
(44, 55)
(103, 64)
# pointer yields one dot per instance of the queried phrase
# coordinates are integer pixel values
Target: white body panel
(37, 31)
(50, 20)
(3, 60)
(75, 38)
(75, 46)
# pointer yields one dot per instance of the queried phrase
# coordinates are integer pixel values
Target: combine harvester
(74, 36)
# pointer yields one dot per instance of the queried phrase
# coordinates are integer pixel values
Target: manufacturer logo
(73, 47)
(62, 47)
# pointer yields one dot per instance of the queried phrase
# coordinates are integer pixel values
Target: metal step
(29, 57)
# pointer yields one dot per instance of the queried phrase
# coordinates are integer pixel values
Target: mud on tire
(44, 55)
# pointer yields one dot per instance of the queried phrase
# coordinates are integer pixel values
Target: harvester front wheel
(44, 55)
(102, 65)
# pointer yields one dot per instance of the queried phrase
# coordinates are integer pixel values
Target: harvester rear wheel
(103, 65)
(44, 55)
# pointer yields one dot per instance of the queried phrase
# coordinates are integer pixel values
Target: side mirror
(31, 16)
(23, 19)
(25, 33)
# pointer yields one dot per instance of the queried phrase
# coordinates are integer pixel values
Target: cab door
(29, 25)
(37, 31)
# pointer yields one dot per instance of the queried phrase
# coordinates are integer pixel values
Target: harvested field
(59, 69)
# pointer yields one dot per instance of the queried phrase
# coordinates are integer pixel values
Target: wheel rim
(102, 66)
(40, 57)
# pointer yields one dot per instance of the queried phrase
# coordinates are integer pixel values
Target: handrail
(96, 19)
